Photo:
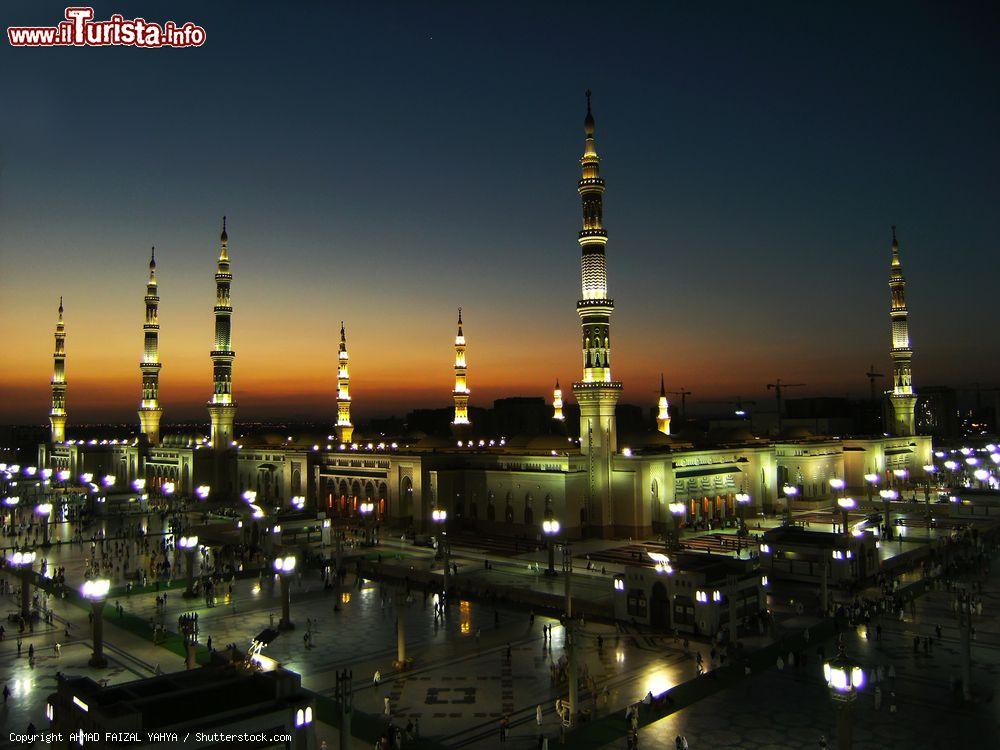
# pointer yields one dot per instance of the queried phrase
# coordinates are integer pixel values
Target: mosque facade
(602, 484)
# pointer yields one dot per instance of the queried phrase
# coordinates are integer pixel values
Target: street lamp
(844, 678)
(887, 497)
(440, 516)
(22, 561)
(203, 491)
(872, 480)
(11, 504)
(846, 504)
(676, 511)
(742, 501)
(284, 567)
(44, 510)
(366, 509)
(189, 544)
(901, 475)
(837, 484)
(550, 527)
(97, 592)
(790, 491)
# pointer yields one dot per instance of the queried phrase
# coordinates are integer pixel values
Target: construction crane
(871, 375)
(777, 385)
(683, 394)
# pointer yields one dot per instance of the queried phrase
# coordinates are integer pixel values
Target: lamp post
(846, 504)
(677, 510)
(22, 561)
(97, 592)
(901, 475)
(440, 516)
(189, 544)
(929, 471)
(365, 509)
(790, 492)
(981, 476)
(742, 501)
(11, 504)
(44, 510)
(838, 485)
(338, 563)
(871, 480)
(887, 497)
(569, 624)
(550, 527)
(284, 567)
(844, 678)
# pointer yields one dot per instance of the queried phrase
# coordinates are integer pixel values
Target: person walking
(538, 715)
(376, 678)
(503, 728)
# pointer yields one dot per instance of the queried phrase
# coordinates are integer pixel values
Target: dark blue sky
(386, 162)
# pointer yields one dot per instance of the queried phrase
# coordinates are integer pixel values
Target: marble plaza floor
(461, 682)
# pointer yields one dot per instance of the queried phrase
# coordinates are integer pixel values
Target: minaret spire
(597, 394)
(557, 403)
(663, 417)
(903, 399)
(345, 430)
(221, 407)
(149, 407)
(57, 415)
(461, 425)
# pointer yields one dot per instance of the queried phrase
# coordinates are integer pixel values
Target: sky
(383, 163)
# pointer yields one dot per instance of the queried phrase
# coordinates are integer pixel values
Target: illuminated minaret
(222, 408)
(344, 427)
(149, 408)
(597, 394)
(663, 418)
(57, 417)
(461, 424)
(557, 403)
(903, 399)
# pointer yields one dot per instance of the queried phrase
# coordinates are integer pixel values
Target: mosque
(603, 484)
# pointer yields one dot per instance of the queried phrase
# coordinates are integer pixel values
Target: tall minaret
(149, 408)
(903, 399)
(663, 418)
(222, 408)
(557, 403)
(57, 417)
(345, 430)
(461, 424)
(597, 394)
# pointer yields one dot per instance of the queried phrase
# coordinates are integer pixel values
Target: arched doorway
(406, 497)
